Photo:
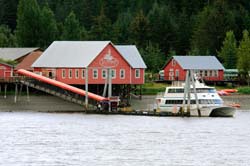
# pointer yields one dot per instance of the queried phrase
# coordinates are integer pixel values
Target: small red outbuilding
(6, 70)
(206, 67)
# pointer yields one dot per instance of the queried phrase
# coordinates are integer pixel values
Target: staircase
(58, 92)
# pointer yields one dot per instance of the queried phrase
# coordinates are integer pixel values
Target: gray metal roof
(199, 62)
(131, 55)
(70, 53)
(15, 53)
(82, 53)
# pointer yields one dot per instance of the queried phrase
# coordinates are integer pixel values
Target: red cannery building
(206, 67)
(68, 62)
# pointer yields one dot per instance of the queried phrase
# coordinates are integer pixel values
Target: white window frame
(137, 73)
(113, 73)
(76, 73)
(122, 73)
(177, 73)
(70, 73)
(95, 73)
(104, 73)
(63, 73)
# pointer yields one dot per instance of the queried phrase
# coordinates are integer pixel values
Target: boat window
(217, 101)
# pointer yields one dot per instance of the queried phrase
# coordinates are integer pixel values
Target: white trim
(104, 71)
(83, 73)
(124, 73)
(113, 73)
(70, 73)
(63, 73)
(76, 73)
(137, 73)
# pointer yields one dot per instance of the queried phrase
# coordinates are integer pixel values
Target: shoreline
(52, 104)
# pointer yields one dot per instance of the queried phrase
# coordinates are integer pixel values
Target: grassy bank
(244, 90)
(153, 88)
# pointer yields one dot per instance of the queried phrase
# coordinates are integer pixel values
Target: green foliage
(243, 54)
(211, 25)
(139, 29)
(7, 39)
(72, 29)
(153, 57)
(162, 27)
(48, 25)
(244, 90)
(10, 62)
(28, 23)
(228, 51)
(101, 29)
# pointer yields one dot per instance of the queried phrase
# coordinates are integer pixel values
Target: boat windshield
(198, 90)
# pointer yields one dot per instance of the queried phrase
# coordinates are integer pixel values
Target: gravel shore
(43, 103)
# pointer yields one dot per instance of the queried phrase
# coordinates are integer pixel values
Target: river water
(60, 139)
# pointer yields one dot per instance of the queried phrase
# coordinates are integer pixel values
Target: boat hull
(223, 112)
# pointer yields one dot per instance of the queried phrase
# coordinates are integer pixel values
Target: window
(77, 73)
(216, 73)
(95, 73)
(63, 73)
(177, 73)
(122, 73)
(113, 73)
(211, 73)
(173, 62)
(83, 73)
(137, 73)
(205, 73)
(104, 73)
(70, 73)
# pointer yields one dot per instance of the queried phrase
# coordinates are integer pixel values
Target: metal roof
(132, 55)
(70, 53)
(15, 53)
(199, 62)
(28, 61)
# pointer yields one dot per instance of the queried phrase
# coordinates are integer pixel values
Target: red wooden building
(206, 67)
(6, 71)
(68, 62)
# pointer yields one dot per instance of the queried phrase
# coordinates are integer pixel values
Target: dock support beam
(28, 95)
(16, 93)
(5, 91)
(86, 87)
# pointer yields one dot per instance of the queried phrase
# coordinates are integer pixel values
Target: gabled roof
(70, 53)
(81, 53)
(6, 64)
(29, 60)
(132, 55)
(199, 62)
(15, 53)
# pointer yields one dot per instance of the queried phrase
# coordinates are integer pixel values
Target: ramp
(61, 85)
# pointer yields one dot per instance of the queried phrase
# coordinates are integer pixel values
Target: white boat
(209, 102)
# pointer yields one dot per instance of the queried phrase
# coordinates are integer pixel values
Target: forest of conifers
(159, 28)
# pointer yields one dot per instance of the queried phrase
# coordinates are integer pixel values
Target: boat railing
(160, 94)
(178, 83)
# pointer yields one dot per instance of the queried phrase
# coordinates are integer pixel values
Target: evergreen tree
(211, 26)
(28, 23)
(153, 57)
(8, 10)
(243, 54)
(71, 29)
(162, 27)
(102, 28)
(139, 30)
(228, 51)
(7, 39)
(48, 27)
(120, 28)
